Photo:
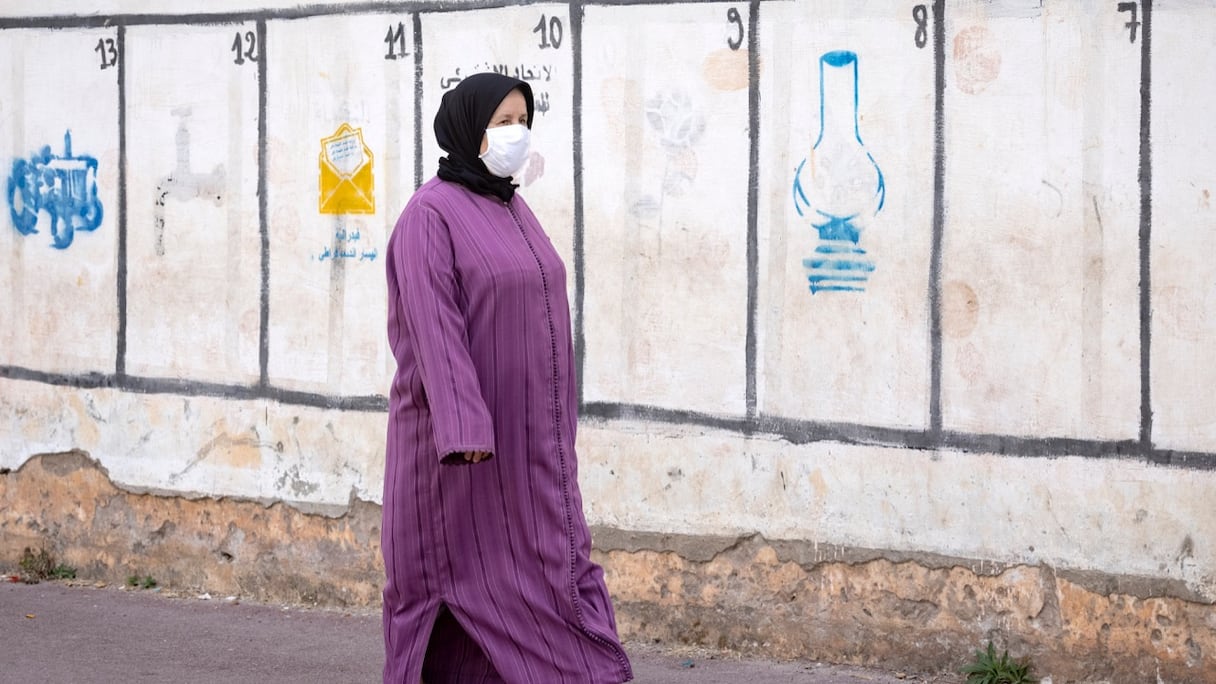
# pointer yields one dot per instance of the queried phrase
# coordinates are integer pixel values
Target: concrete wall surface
(896, 322)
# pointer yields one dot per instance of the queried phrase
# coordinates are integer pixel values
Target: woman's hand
(476, 456)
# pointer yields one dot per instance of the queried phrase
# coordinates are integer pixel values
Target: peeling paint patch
(750, 596)
(66, 503)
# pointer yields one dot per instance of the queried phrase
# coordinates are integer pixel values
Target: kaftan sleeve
(425, 266)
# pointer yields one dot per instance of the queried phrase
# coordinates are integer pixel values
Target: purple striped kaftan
(498, 551)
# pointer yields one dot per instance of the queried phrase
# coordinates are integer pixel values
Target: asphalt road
(57, 632)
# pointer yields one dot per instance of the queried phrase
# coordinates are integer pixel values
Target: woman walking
(486, 549)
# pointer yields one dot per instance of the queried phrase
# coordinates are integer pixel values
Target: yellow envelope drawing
(347, 185)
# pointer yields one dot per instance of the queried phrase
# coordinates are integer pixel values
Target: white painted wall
(1040, 342)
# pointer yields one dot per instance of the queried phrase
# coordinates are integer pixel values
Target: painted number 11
(395, 39)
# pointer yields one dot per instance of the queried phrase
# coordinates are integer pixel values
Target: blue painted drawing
(839, 185)
(63, 186)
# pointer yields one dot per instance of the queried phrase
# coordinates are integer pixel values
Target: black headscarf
(464, 112)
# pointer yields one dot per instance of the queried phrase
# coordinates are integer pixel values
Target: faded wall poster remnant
(64, 186)
(184, 183)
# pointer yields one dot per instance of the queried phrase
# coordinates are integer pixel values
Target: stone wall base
(783, 599)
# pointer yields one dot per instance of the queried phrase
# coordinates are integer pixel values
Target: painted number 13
(108, 51)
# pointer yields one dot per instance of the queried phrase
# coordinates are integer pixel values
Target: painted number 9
(733, 17)
(550, 30)
(921, 16)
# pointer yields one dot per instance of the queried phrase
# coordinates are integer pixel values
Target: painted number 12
(245, 47)
(108, 51)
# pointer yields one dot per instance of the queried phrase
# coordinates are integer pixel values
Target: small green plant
(141, 582)
(63, 571)
(987, 668)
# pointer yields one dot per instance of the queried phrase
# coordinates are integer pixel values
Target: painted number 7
(1133, 24)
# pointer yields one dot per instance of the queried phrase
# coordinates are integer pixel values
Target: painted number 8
(921, 16)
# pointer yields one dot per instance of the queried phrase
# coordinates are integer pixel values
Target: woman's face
(512, 110)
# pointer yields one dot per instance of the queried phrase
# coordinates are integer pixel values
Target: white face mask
(507, 149)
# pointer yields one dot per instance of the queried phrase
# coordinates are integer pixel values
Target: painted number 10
(108, 51)
(245, 47)
(550, 30)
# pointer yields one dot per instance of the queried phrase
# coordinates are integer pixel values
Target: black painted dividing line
(939, 217)
(791, 430)
(120, 354)
(1191, 460)
(654, 414)
(753, 200)
(300, 12)
(196, 388)
(263, 223)
(1145, 177)
(580, 261)
(631, 3)
(798, 431)
(219, 18)
(82, 380)
(417, 24)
